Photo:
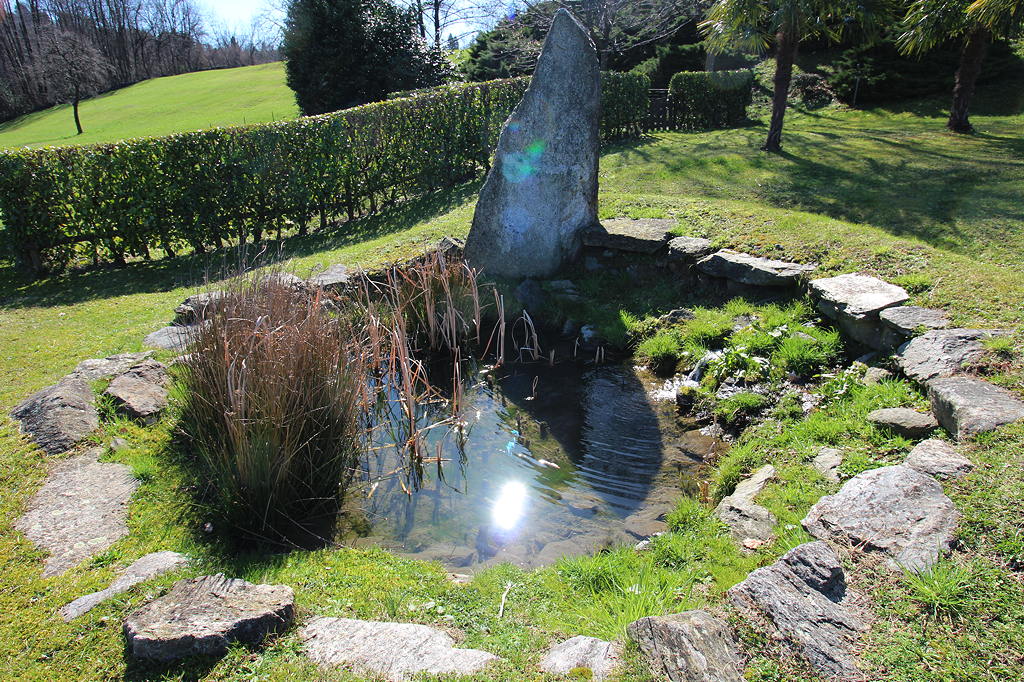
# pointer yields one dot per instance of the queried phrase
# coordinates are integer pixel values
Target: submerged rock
(203, 616)
(904, 422)
(541, 192)
(645, 236)
(394, 651)
(938, 458)
(79, 512)
(149, 566)
(894, 510)
(966, 406)
(752, 270)
(60, 416)
(749, 523)
(693, 646)
(803, 597)
(596, 655)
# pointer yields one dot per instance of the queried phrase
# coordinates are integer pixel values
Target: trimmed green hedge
(710, 99)
(625, 102)
(203, 189)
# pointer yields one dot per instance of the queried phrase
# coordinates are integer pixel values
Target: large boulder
(752, 270)
(596, 655)
(141, 392)
(393, 651)
(938, 458)
(693, 646)
(149, 566)
(966, 406)
(903, 421)
(803, 599)
(750, 524)
(894, 510)
(203, 616)
(541, 192)
(855, 301)
(646, 236)
(940, 353)
(79, 512)
(60, 416)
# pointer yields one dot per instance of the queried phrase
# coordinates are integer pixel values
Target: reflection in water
(553, 461)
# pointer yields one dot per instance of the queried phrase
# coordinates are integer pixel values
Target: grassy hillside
(161, 106)
(885, 192)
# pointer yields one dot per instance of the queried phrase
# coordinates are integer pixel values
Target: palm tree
(757, 24)
(931, 22)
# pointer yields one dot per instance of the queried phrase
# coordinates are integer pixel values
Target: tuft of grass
(808, 351)
(942, 590)
(915, 283)
(661, 351)
(739, 407)
(1003, 347)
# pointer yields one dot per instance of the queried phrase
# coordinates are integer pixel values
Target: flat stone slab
(149, 566)
(141, 392)
(395, 651)
(940, 353)
(203, 616)
(938, 458)
(79, 512)
(645, 236)
(827, 463)
(105, 368)
(906, 320)
(751, 524)
(59, 417)
(752, 270)
(194, 308)
(337, 276)
(689, 248)
(693, 646)
(170, 338)
(596, 655)
(904, 422)
(894, 510)
(859, 297)
(804, 599)
(966, 406)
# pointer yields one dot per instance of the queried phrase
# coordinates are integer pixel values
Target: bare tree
(73, 68)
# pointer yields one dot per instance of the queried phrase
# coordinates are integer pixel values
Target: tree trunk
(74, 106)
(785, 53)
(971, 56)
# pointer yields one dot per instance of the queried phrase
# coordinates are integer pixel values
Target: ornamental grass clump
(274, 412)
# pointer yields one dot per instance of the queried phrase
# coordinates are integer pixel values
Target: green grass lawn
(161, 106)
(885, 191)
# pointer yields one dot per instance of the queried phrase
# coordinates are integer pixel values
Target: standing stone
(79, 512)
(203, 616)
(803, 597)
(596, 655)
(60, 416)
(966, 406)
(542, 190)
(149, 566)
(894, 510)
(750, 524)
(394, 651)
(693, 646)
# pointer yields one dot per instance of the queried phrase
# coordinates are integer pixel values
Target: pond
(554, 461)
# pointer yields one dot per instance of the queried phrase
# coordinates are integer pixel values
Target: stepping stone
(105, 368)
(336, 277)
(60, 416)
(395, 651)
(194, 308)
(803, 597)
(902, 322)
(645, 236)
(938, 458)
(940, 353)
(827, 463)
(596, 655)
(692, 646)
(855, 301)
(689, 249)
(966, 406)
(149, 566)
(141, 392)
(904, 422)
(746, 269)
(894, 510)
(750, 524)
(203, 616)
(170, 338)
(79, 512)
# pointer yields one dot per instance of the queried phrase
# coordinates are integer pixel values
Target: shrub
(274, 391)
(711, 99)
(811, 89)
(625, 102)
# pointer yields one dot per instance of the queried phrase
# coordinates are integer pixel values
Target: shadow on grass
(194, 270)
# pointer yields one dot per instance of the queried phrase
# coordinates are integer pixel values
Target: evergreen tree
(342, 53)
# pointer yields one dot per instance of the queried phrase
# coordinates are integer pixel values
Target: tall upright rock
(541, 192)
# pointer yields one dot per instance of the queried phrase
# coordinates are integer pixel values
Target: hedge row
(200, 190)
(710, 99)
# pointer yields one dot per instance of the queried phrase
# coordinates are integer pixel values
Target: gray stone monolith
(541, 193)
